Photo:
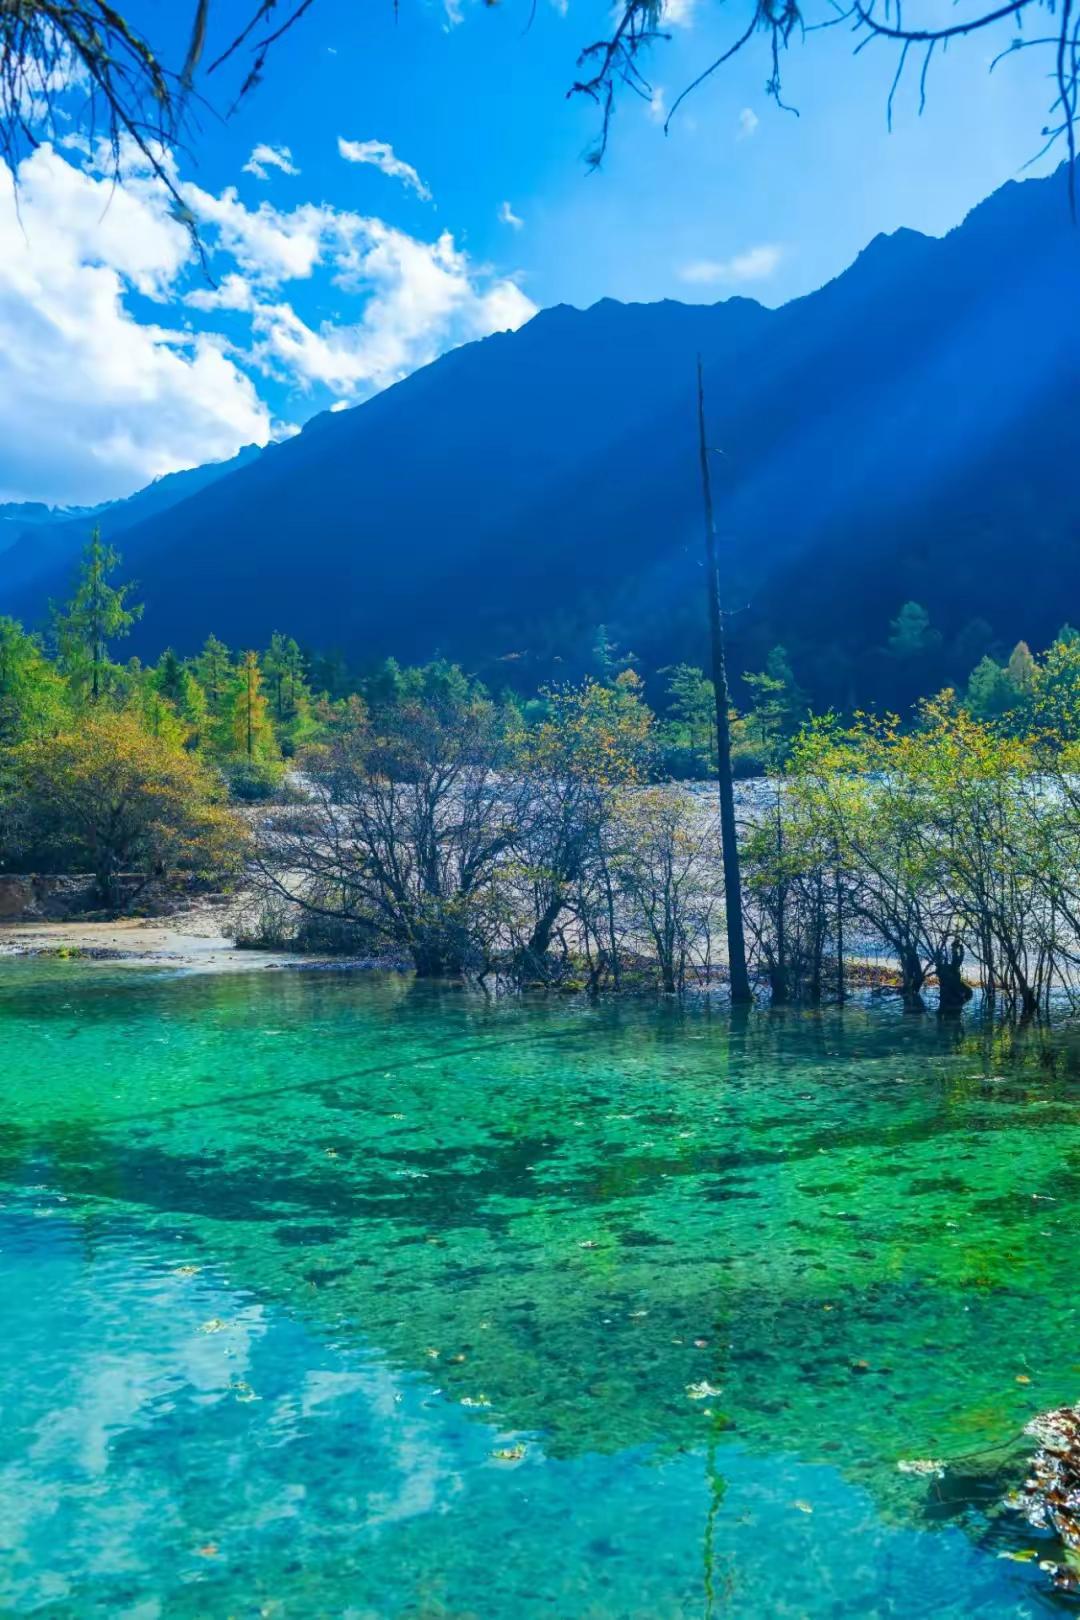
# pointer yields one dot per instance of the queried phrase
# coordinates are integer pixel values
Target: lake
(342, 1295)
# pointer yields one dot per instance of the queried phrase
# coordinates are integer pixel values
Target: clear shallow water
(285, 1260)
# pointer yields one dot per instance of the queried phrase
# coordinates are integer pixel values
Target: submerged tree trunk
(740, 979)
(840, 987)
(443, 952)
(533, 954)
(912, 979)
(953, 993)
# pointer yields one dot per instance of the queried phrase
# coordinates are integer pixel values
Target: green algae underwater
(344, 1295)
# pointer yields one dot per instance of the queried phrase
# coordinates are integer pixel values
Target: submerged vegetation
(566, 839)
(395, 1275)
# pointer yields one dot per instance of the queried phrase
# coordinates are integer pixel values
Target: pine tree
(1022, 670)
(780, 704)
(990, 694)
(608, 661)
(274, 667)
(33, 699)
(97, 615)
(911, 634)
(690, 723)
(330, 675)
(168, 677)
(252, 732)
(192, 708)
(290, 695)
(215, 673)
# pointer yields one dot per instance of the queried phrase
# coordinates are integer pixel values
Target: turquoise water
(330, 1295)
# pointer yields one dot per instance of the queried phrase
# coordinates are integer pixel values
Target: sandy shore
(191, 941)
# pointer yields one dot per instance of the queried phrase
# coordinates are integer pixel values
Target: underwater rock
(1049, 1498)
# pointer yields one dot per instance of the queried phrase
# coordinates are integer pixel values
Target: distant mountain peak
(880, 435)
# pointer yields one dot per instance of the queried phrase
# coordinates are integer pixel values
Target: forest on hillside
(411, 813)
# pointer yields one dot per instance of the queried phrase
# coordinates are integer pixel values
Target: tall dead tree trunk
(736, 944)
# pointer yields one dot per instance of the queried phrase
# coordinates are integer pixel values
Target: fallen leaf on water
(432, 1354)
(475, 1400)
(215, 1325)
(803, 1507)
(1022, 1378)
(459, 1357)
(186, 1271)
(1025, 1556)
(209, 1551)
(243, 1391)
(702, 1391)
(860, 1366)
(508, 1454)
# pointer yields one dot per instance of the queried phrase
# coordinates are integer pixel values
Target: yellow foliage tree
(111, 798)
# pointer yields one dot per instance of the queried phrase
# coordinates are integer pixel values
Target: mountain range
(907, 432)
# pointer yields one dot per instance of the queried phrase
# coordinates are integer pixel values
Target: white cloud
(748, 123)
(97, 397)
(265, 157)
(422, 299)
(755, 264)
(508, 217)
(418, 298)
(270, 244)
(232, 292)
(381, 155)
(679, 13)
(93, 403)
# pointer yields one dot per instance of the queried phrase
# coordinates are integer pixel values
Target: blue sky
(338, 277)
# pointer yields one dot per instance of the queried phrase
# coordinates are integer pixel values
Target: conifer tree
(215, 674)
(32, 694)
(290, 696)
(1022, 670)
(168, 677)
(990, 694)
(97, 615)
(252, 732)
(690, 724)
(911, 634)
(609, 660)
(780, 704)
(192, 709)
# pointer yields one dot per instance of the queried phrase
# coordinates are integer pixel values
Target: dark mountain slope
(907, 431)
(22, 519)
(42, 541)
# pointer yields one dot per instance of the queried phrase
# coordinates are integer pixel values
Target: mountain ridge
(498, 504)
